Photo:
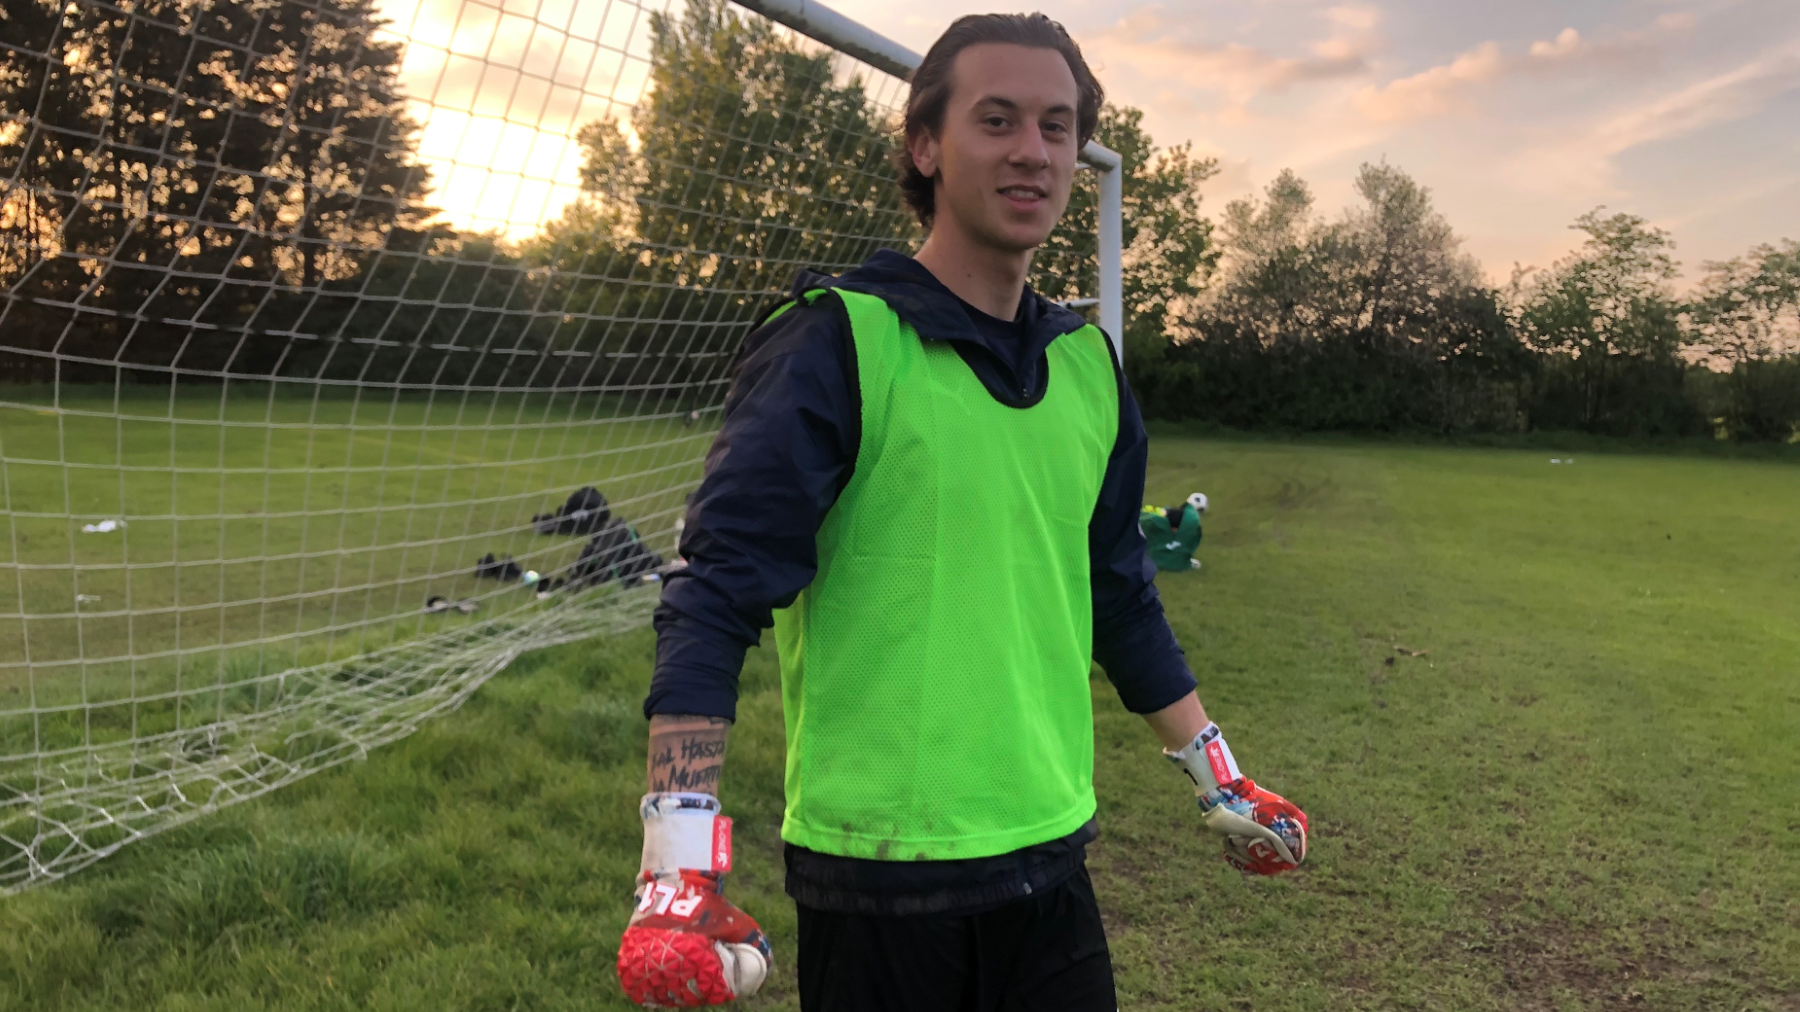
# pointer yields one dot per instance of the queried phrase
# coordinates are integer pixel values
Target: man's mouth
(1024, 195)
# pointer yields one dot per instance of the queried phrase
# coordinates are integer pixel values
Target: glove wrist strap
(1207, 761)
(684, 831)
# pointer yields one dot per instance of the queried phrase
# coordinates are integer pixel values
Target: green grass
(1582, 795)
(267, 531)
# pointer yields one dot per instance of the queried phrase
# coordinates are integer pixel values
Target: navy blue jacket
(787, 447)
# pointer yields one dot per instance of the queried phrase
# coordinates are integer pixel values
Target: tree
(1396, 259)
(1376, 275)
(1258, 234)
(1747, 309)
(1745, 319)
(1608, 314)
(752, 160)
(1267, 289)
(1376, 320)
(1167, 244)
(195, 162)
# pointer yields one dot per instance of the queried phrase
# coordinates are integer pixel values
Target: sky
(1519, 116)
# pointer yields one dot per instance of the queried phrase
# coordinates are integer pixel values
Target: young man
(928, 480)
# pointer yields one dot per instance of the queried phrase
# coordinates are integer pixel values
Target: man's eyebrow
(1009, 105)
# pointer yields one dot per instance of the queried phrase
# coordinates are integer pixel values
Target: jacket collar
(919, 298)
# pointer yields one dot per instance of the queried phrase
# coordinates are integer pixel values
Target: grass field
(267, 531)
(1583, 792)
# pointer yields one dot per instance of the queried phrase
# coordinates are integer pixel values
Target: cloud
(1149, 40)
(1567, 43)
(1723, 97)
(1584, 158)
(1453, 88)
(1443, 89)
(1354, 18)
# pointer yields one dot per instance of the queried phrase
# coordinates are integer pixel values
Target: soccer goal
(349, 349)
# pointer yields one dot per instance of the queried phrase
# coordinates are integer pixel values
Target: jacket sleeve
(785, 449)
(1132, 638)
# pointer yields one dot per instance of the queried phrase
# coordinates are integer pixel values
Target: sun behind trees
(222, 164)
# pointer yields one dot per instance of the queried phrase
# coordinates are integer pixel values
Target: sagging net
(326, 324)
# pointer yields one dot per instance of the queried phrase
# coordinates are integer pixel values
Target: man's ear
(925, 152)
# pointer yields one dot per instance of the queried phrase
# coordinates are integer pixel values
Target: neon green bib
(935, 672)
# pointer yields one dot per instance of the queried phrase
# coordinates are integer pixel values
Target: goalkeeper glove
(687, 945)
(1264, 833)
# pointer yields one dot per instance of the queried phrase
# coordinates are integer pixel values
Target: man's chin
(1017, 238)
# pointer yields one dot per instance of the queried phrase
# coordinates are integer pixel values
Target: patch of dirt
(1544, 963)
(1538, 966)
(1296, 494)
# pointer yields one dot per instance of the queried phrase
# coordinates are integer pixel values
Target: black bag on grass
(615, 553)
(503, 569)
(584, 512)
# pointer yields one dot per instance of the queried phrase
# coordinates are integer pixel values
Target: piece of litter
(103, 527)
(436, 603)
(86, 598)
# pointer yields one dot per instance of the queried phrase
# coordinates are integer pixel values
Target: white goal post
(351, 348)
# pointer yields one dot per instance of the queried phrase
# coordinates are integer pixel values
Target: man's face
(1005, 156)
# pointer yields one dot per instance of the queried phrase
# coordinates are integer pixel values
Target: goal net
(326, 324)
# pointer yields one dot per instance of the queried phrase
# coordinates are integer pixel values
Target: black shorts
(1044, 953)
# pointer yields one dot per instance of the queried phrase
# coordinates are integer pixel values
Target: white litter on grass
(1559, 460)
(87, 598)
(435, 603)
(103, 527)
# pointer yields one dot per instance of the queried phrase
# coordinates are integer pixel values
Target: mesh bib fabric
(935, 672)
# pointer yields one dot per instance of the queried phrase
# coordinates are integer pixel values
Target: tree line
(1376, 321)
(226, 189)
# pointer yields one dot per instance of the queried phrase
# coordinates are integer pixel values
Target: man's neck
(991, 280)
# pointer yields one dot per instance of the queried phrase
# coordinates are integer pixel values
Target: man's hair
(931, 85)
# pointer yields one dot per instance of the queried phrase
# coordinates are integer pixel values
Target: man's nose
(1031, 151)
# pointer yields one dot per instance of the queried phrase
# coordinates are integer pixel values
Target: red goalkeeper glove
(1265, 833)
(687, 945)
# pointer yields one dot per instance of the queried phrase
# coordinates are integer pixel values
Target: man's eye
(997, 122)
